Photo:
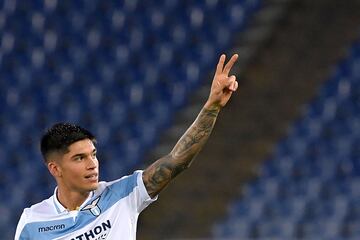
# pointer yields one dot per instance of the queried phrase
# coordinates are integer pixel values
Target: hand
(222, 86)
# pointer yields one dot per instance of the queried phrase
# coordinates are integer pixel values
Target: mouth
(92, 177)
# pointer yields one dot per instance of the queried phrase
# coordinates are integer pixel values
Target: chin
(94, 186)
(91, 187)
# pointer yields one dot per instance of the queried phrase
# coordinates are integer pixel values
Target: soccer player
(82, 208)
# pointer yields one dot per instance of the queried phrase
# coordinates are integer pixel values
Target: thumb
(231, 81)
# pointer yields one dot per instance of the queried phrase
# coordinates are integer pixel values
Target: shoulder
(129, 188)
(36, 212)
(42, 208)
(122, 186)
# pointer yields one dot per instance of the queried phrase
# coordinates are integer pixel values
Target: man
(83, 208)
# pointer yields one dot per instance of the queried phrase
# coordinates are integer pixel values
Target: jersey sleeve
(143, 199)
(133, 189)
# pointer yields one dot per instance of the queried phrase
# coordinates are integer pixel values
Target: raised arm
(161, 172)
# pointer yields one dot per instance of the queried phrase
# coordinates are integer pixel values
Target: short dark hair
(60, 136)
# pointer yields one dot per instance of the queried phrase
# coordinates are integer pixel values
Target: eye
(93, 155)
(79, 158)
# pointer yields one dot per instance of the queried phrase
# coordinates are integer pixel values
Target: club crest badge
(93, 207)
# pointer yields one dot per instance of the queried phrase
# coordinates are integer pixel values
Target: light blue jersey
(110, 212)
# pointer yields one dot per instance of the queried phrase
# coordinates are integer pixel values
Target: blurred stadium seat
(309, 189)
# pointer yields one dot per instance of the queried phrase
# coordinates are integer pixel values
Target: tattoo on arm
(161, 172)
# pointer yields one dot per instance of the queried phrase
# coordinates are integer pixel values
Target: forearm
(160, 173)
(190, 144)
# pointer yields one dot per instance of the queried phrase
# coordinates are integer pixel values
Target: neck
(71, 200)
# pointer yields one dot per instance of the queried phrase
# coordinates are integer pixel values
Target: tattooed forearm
(159, 174)
(196, 136)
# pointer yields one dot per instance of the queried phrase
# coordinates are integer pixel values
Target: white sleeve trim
(146, 199)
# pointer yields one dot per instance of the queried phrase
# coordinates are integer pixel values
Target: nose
(92, 163)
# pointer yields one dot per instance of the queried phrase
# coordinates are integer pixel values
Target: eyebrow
(82, 154)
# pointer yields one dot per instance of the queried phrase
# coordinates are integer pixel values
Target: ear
(54, 169)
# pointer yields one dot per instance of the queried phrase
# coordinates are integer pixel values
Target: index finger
(231, 62)
(220, 65)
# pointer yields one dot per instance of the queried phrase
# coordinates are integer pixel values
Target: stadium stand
(119, 68)
(309, 188)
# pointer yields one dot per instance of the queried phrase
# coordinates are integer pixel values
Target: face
(77, 170)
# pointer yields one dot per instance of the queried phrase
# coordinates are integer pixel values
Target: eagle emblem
(93, 207)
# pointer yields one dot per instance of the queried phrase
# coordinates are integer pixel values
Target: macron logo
(51, 228)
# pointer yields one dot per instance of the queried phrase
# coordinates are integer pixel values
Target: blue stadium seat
(309, 188)
(120, 68)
